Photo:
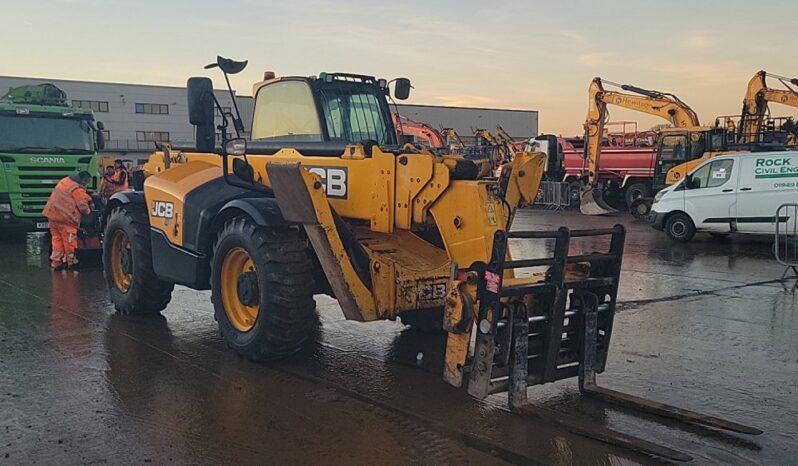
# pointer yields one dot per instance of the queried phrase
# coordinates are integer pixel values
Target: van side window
(700, 177)
(719, 173)
(712, 174)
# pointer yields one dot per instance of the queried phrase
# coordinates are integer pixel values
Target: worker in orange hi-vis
(68, 202)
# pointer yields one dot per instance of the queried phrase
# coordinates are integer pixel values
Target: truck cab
(42, 140)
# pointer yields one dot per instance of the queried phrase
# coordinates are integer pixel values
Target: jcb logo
(334, 180)
(162, 209)
(432, 291)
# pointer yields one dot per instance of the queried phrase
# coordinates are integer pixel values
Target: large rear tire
(127, 263)
(262, 284)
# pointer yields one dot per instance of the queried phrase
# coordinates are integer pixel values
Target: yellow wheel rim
(239, 289)
(121, 261)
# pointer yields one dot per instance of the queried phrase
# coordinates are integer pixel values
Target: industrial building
(137, 115)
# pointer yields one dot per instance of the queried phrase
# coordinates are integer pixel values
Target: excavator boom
(755, 104)
(661, 104)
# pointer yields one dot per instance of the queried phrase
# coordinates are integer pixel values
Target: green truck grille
(29, 186)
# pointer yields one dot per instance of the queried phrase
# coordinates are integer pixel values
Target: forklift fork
(560, 327)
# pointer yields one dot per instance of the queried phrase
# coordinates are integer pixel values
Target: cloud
(465, 100)
(596, 58)
(697, 41)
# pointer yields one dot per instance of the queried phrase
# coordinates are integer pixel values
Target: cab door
(709, 196)
(766, 182)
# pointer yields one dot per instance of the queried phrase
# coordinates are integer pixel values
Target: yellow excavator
(679, 149)
(755, 104)
(751, 134)
(661, 104)
(323, 199)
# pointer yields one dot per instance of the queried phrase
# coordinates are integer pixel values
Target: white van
(728, 194)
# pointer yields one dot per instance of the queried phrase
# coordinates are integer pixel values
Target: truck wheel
(636, 191)
(262, 289)
(574, 194)
(640, 208)
(127, 263)
(423, 320)
(680, 227)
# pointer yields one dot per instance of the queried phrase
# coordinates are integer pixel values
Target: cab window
(353, 116)
(697, 145)
(673, 148)
(286, 111)
(712, 175)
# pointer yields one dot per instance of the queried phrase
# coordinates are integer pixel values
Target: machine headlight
(5, 207)
(659, 195)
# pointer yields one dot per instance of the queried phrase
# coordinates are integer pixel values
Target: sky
(498, 54)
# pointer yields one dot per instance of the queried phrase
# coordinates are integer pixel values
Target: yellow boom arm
(663, 105)
(755, 103)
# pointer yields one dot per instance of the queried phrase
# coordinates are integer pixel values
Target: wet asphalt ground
(705, 326)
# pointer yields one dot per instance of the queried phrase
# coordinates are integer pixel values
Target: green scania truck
(42, 140)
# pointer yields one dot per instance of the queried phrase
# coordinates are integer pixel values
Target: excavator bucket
(592, 202)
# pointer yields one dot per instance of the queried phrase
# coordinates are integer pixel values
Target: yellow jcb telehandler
(323, 199)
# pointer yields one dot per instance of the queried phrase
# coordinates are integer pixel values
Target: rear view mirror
(100, 136)
(200, 101)
(401, 88)
(243, 170)
(201, 112)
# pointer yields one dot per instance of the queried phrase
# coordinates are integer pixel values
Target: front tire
(636, 191)
(680, 227)
(127, 264)
(262, 289)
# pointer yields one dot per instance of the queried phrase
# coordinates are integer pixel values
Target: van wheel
(680, 227)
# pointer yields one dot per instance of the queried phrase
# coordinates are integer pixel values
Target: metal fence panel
(785, 245)
(553, 195)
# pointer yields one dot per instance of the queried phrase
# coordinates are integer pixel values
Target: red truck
(627, 170)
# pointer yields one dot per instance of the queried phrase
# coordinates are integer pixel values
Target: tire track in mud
(623, 305)
(438, 443)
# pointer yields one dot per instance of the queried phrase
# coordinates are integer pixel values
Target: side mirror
(200, 112)
(689, 183)
(200, 101)
(100, 136)
(243, 170)
(401, 88)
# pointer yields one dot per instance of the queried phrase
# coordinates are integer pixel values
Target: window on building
(106, 134)
(160, 136)
(93, 105)
(226, 110)
(152, 109)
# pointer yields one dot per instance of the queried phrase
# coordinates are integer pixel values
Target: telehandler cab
(323, 199)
